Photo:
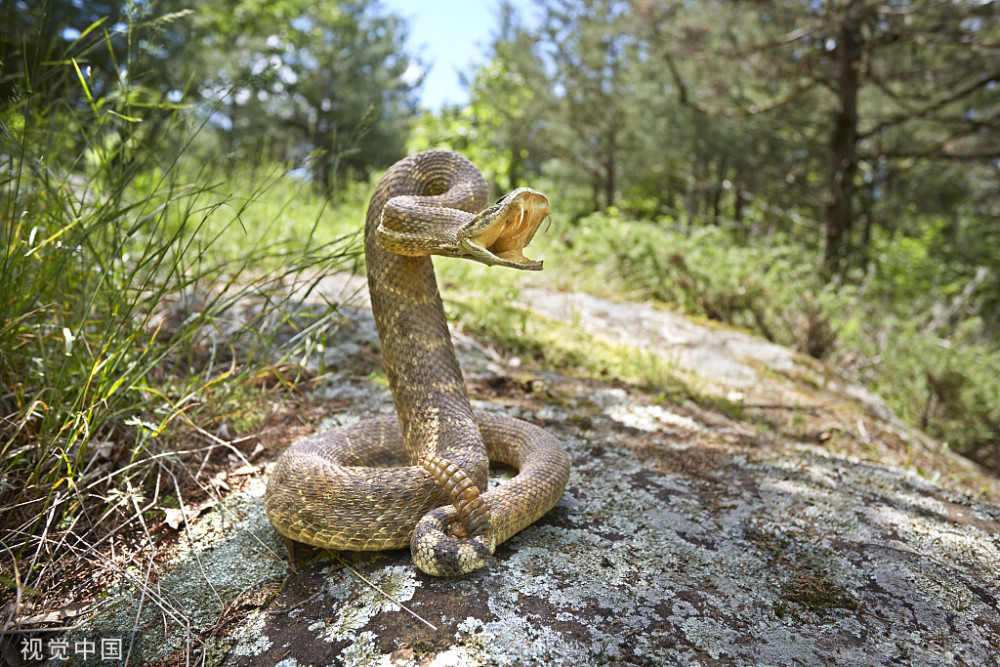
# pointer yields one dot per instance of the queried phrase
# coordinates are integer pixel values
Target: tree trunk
(839, 213)
(739, 207)
(515, 169)
(610, 185)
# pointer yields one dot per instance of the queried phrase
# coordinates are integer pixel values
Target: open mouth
(510, 226)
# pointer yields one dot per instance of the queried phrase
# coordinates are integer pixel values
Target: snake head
(498, 235)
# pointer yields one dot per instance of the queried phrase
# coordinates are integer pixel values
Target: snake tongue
(502, 232)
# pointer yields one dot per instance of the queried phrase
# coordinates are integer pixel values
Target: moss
(562, 347)
(807, 588)
(817, 594)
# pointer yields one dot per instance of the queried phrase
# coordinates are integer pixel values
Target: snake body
(419, 478)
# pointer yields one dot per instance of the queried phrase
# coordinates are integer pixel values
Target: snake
(420, 478)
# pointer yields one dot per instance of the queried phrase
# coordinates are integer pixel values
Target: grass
(482, 300)
(880, 330)
(150, 301)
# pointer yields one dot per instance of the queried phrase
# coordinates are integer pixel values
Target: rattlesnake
(418, 478)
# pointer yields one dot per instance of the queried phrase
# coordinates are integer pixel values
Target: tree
(882, 84)
(560, 92)
(594, 93)
(589, 91)
(510, 99)
(36, 38)
(325, 83)
(907, 81)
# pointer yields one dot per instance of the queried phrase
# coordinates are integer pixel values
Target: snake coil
(420, 477)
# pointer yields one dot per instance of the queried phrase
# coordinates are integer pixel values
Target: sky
(449, 37)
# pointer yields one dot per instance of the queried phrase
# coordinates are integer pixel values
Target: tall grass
(142, 294)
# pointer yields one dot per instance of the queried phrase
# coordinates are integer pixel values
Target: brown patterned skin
(418, 478)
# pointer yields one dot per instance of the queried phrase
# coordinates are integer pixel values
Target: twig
(942, 314)
(194, 550)
(386, 595)
(811, 409)
(302, 603)
(213, 493)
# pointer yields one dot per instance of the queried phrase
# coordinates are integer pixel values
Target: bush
(772, 290)
(907, 327)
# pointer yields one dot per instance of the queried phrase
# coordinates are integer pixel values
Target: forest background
(823, 173)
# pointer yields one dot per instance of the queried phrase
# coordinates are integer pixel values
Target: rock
(669, 548)
(685, 537)
(719, 359)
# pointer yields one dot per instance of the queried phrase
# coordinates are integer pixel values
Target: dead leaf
(219, 479)
(174, 518)
(60, 615)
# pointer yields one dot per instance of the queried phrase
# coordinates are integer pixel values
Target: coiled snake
(419, 478)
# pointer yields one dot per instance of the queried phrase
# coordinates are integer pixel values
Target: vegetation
(143, 291)
(821, 173)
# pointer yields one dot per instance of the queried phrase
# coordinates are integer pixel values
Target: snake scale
(419, 478)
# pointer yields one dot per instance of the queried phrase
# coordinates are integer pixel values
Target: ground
(780, 516)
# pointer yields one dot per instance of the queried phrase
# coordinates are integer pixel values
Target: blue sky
(448, 37)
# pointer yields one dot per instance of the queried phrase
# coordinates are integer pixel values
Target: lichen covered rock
(686, 536)
(675, 543)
